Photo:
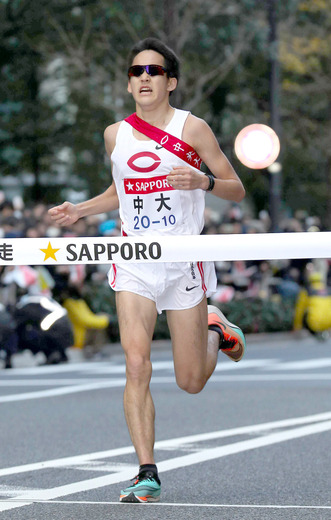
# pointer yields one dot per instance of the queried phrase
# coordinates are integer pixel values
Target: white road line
(318, 376)
(75, 460)
(242, 430)
(167, 465)
(56, 392)
(172, 504)
(176, 443)
(13, 491)
(102, 367)
(105, 369)
(104, 467)
(226, 364)
(6, 506)
(306, 364)
(88, 367)
(168, 365)
(237, 447)
(120, 369)
(49, 382)
(50, 369)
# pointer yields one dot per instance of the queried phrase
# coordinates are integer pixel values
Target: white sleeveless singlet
(147, 203)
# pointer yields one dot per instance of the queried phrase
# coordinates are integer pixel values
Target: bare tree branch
(128, 26)
(154, 22)
(86, 33)
(215, 77)
(72, 48)
(186, 26)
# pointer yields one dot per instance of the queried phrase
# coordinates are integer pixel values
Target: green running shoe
(231, 335)
(146, 488)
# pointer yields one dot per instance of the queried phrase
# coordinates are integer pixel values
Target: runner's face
(145, 88)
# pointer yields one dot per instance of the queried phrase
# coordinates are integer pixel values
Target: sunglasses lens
(136, 70)
(155, 70)
(152, 70)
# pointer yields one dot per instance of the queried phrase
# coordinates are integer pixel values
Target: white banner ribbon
(184, 248)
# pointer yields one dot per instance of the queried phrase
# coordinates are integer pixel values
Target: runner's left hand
(183, 178)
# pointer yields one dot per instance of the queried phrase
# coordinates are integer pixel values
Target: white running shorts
(171, 285)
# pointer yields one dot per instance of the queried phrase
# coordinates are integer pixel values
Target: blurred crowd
(265, 279)
(236, 280)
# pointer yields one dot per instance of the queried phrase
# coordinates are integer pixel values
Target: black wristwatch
(211, 178)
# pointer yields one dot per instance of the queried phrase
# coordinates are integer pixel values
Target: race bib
(151, 204)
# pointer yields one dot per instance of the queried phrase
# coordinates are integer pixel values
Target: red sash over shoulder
(171, 143)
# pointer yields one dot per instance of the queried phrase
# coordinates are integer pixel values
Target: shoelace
(140, 478)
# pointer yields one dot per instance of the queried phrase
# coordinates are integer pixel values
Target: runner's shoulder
(110, 135)
(194, 127)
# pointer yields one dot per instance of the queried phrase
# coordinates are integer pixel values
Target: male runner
(172, 202)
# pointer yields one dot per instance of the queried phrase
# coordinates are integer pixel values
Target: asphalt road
(255, 444)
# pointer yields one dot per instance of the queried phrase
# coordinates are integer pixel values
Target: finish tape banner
(184, 248)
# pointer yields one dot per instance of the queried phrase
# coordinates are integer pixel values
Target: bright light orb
(257, 146)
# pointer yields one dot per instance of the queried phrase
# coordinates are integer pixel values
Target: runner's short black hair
(153, 44)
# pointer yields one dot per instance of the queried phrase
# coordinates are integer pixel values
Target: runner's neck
(159, 118)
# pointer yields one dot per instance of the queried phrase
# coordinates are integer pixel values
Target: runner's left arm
(67, 213)
(227, 186)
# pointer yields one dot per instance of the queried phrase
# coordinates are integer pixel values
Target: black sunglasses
(152, 70)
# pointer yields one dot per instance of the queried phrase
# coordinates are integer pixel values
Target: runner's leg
(195, 349)
(137, 317)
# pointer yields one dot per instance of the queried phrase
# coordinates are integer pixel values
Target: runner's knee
(138, 367)
(190, 383)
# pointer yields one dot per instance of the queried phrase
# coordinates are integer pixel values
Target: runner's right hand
(65, 214)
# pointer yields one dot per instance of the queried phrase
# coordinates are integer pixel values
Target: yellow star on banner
(49, 252)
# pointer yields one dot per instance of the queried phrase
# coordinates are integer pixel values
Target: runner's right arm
(67, 213)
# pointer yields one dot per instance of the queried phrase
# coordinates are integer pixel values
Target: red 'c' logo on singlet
(145, 169)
